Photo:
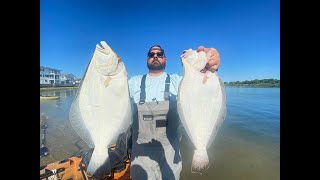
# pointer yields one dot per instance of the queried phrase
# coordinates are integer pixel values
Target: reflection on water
(247, 146)
(61, 139)
(236, 155)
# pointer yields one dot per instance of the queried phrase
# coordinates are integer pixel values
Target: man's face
(156, 59)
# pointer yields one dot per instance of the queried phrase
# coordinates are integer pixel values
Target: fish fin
(107, 81)
(200, 161)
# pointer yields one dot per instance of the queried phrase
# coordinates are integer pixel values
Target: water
(248, 143)
(247, 146)
(61, 140)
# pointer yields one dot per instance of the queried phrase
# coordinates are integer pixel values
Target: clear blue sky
(245, 32)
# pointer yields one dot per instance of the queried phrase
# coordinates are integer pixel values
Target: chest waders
(155, 147)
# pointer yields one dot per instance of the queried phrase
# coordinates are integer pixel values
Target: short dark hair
(159, 47)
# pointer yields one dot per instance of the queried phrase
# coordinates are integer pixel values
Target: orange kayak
(73, 168)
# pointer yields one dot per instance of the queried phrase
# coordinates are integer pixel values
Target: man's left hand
(213, 58)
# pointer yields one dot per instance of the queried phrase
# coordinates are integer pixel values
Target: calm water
(247, 146)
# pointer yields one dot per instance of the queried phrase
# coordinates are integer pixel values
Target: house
(53, 77)
(49, 75)
(78, 80)
(67, 78)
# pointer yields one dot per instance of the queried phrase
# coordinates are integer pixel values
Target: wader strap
(143, 90)
(167, 87)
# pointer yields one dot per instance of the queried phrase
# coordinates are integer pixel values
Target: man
(156, 127)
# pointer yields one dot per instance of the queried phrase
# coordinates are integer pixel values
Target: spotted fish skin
(201, 103)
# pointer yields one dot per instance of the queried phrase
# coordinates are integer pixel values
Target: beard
(154, 66)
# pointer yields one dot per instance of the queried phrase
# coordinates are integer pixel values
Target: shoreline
(252, 86)
(76, 87)
(57, 88)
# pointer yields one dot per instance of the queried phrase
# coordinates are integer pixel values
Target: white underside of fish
(201, 107)
(101, 109)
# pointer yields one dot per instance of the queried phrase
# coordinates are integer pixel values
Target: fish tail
(99, 164)
(200, 161)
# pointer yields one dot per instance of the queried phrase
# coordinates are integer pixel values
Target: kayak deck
(73, 168)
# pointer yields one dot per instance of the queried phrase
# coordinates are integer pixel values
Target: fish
(201, 105)
(101, 109)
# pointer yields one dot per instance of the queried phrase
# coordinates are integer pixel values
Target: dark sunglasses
(159, 54)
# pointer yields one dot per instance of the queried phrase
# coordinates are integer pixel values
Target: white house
(49, 75)
(78, 80)
(66, 78)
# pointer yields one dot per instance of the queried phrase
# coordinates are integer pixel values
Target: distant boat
(42, 97)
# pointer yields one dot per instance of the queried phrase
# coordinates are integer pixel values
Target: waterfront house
(78, 80)
(49, 75)
(67, 78)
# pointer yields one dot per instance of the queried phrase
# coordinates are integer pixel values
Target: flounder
(201, 103)
(101, 109)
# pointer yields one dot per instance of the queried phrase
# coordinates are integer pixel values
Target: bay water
(247, 146)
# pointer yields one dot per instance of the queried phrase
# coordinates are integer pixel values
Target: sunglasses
(159, 54)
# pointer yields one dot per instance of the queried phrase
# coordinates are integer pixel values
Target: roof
(70, 75)
(45, 67)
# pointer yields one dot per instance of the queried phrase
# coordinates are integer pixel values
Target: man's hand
(213, 58)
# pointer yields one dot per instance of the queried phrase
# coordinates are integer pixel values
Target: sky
(246, 34)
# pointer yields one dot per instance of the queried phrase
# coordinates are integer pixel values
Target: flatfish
(201, 104)
(101, 109)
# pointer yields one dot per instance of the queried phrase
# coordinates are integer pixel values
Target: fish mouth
(196, 60)
(105, 64)
(105, 59)
(186, 53)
